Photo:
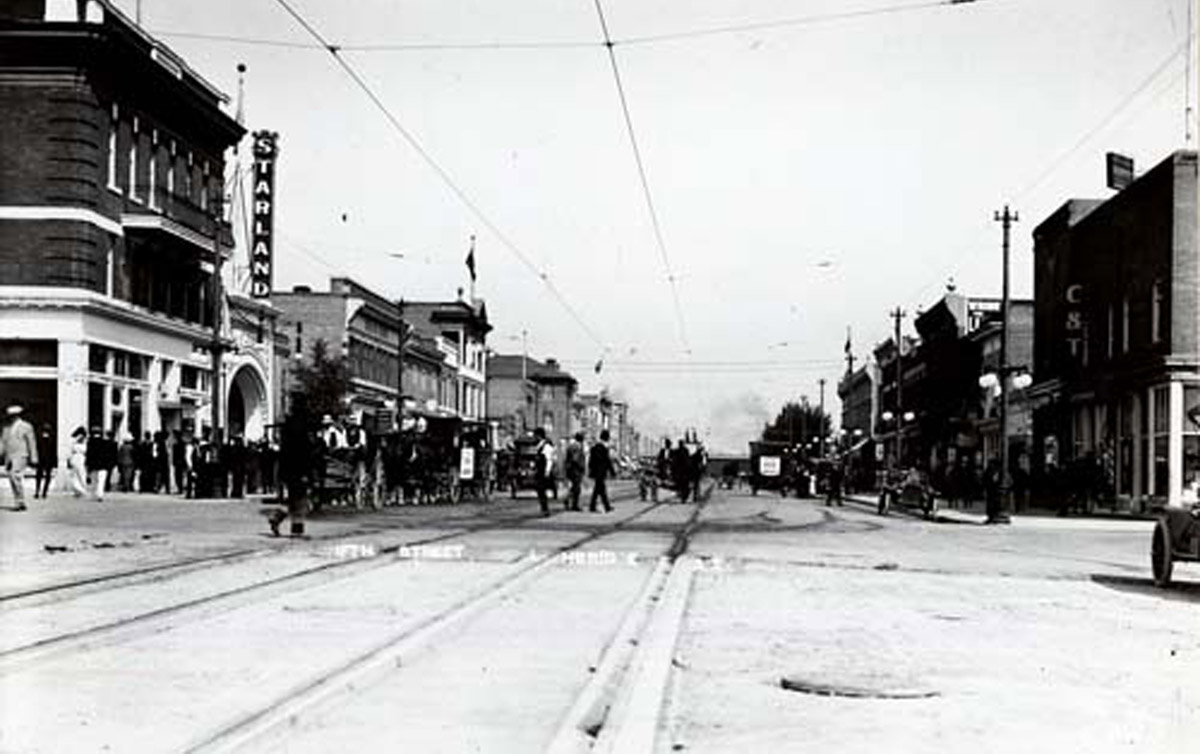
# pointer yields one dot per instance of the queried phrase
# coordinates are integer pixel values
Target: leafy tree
(797, 423)
(322, 382)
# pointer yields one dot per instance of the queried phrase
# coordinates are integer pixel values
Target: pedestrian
(544, 469)
(699, 465)
(991, 489)
(681, 471)
(574, 468)
(600, 468)
(237, 467)
(47, 462)
(161, 461)
(179, 462)
(143, 460)
(111, 457)
(77, 472)
(98, 470)
(297, 458)
(125, 464)
(833, 483)
(18, 446)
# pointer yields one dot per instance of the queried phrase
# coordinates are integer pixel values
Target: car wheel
(1160, 554)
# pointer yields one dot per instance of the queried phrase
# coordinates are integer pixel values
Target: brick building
(464, 327)
(113, 150)
(523, 393)
(1117, 347)
(363, 327)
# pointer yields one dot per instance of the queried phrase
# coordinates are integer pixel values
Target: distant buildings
(524, 393)
(443, 365)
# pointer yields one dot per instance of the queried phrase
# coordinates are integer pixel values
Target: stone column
(1175, 444)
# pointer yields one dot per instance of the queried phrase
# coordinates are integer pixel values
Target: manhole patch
(874, 688)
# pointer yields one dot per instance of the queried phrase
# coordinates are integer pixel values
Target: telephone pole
(898, 314)
(821, 420)
(218, 293)
(1000, 514)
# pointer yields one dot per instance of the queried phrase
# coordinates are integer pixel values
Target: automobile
(1176, 538)
(908, 489)
(516, 468)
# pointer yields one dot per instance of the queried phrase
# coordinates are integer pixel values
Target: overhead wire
(441, 172)
(673, 36)
(1108, 119)
(498, 45)
(646, 193)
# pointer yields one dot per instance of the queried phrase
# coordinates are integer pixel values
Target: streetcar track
(160, 571)
(167, 617)
(398, 650)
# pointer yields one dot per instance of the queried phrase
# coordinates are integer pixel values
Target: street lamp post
(1000, 515)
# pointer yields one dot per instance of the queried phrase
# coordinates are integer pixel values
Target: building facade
(364, 328)
(1117, 351)
(464, 327)
(523, 393)
(111, 171)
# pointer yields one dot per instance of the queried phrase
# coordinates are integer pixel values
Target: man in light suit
(18, 446)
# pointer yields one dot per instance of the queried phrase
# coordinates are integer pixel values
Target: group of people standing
(159, 462)
(685, 468)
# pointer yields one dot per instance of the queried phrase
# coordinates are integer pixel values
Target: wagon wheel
(1160, 554)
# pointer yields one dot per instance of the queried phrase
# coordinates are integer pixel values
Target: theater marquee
(262, 257)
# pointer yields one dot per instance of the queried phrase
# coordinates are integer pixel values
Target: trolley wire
(499, 45)
(641, 168)
(820, 18)
(442, 173)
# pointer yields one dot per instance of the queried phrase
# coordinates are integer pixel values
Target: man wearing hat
(18, 446)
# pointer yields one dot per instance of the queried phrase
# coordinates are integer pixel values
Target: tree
(323, 381)
(797, 424)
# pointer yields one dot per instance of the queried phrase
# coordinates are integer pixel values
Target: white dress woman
(77, 464)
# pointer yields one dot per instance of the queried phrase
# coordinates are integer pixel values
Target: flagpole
(471, 256)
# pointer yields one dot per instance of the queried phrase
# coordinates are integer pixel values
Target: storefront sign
(1075, 330)
(466, 464)
(769, 466)
(263, 215)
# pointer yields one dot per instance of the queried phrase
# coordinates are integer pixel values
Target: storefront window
(28, 353)
(95, 405)
(1160, 467)
(1191, 442)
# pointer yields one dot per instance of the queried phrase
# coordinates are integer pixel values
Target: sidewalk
(1037, 518)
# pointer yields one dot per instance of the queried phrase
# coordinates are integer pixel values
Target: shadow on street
(1179, 591)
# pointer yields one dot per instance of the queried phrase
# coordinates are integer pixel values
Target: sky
(812, 165)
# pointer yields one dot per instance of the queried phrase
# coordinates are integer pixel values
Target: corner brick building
(113, 150)
(1117, 343)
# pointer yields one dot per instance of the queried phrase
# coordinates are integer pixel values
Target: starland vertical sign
(262, 257)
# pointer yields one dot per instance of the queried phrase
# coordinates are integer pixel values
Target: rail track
(167, 616)
(617, 709)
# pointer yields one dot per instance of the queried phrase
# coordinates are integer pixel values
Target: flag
(471, 259)
(847, 348)
(599, 365)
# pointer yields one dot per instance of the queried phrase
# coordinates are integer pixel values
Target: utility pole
(898, 314)
(217, 294)
(849, 355)
(1000, 515)
(821, 420)
(401, 341)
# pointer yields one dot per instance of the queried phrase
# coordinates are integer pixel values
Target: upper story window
(131, 183)
(113, 124)
(171, 170)
(1125, 324)
(152, 181)
(1112, 335)
(1156, 297)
